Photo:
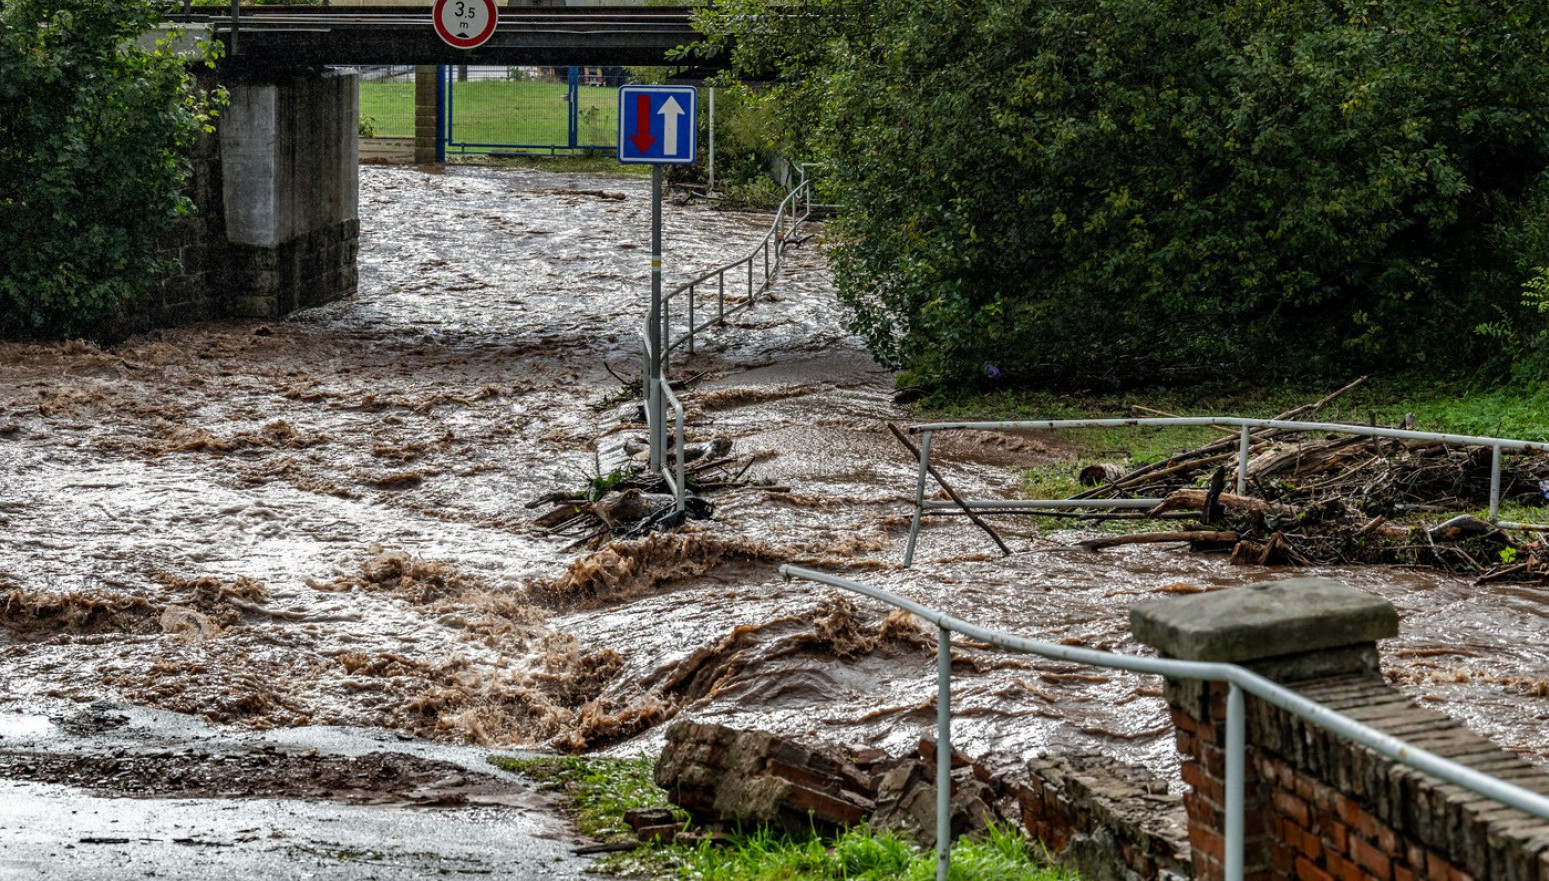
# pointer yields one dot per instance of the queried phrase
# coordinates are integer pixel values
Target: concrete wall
(1318, 807)
(277, 187)
(291, 184)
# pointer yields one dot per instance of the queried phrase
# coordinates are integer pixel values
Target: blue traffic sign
(658, 124)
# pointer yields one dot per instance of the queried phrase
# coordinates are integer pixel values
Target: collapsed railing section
(1238, 680)
(756, 271)
(657, 391)
(1245, 428)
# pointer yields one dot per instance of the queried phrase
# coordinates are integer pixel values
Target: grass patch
(389, 107)
(862, 854)
(1515, 412)
(526, 112)
(599, 790)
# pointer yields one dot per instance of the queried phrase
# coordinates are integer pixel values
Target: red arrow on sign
(642, 137)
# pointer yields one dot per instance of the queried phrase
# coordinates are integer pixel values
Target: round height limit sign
(465, 24)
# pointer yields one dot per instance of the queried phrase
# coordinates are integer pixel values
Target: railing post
(573, 117)
(444, 123)
(645, 376)
(1236, 744)
(657, 431)
(678, 482)
(1495, 482)
(943, 753)
(1242, 464)
(919, 499)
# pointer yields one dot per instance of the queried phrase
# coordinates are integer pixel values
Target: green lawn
(499, 112)
(388, 109)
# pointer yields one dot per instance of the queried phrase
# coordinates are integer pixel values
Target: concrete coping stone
(1267, 620)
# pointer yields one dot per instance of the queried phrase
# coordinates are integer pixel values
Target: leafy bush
(1126, 190)
(94, 137)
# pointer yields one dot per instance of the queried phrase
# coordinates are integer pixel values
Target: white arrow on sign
(669, 113)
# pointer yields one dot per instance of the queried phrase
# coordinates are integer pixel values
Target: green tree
(1123, 188)
(95, 132)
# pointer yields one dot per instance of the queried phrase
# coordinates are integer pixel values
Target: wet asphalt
(51, 830)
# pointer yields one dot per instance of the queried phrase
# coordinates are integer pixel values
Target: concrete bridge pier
(289, 153)
(277, 189)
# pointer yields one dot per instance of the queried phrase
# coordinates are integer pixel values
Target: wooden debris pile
(631, 501)
(1334, 500)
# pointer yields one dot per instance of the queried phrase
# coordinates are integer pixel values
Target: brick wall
(1096, 812)
(425, 131)
(1319, 807)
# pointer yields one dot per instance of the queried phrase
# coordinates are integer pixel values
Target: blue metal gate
(528, 111)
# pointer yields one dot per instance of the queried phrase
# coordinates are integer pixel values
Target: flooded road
(323, 521)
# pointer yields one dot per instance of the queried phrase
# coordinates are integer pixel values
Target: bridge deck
(277, 37)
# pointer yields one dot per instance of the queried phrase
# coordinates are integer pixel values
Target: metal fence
(1238, 679)
(754, 273)
(530, 110)
(1245, 428)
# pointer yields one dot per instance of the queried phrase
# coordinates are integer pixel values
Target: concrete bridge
(280, 37)
(277, 185)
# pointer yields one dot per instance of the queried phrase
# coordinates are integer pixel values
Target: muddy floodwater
(324, 521)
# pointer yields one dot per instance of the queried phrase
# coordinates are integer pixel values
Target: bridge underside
(271, 38)
(276, 186)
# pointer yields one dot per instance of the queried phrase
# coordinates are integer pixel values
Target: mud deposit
(321, 521)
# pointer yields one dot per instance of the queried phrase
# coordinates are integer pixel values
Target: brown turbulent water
(321, 520)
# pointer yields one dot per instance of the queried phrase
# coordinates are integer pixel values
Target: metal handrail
(674, 476)
(652, 390)
(1238, 680)
(1245, 425)
(649, 390)
(775, 240)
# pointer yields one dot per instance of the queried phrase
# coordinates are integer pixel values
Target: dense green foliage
(747, 147)
(1120, 188)
(95, 131)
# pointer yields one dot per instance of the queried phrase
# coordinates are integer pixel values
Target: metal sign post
(657, 126)
(656, 406)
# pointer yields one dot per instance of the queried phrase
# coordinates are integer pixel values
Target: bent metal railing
(769, 254)
(1238, 680)
(1245, 426)
(670, 471)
